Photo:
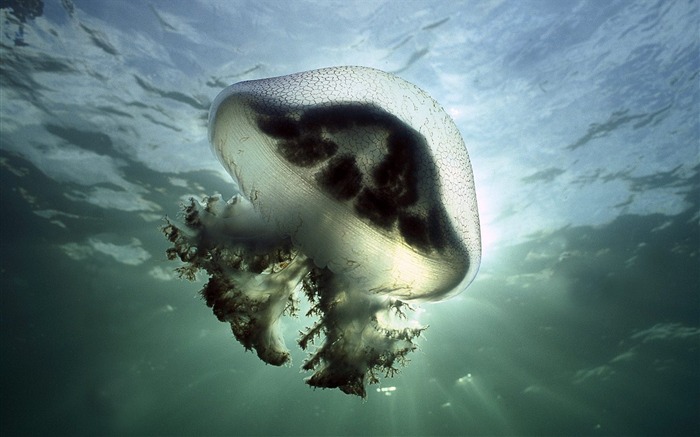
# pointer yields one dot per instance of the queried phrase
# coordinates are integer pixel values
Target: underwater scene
(325, 217)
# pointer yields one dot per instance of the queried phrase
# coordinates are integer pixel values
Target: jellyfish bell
(366, 173)
(360, 191)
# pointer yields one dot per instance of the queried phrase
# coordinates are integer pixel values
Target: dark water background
(582, 120)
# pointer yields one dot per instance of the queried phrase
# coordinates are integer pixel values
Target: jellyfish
(354, 191)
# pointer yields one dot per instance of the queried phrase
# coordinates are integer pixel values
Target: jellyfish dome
(355, 191)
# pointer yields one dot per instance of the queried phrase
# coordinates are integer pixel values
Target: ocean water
(582, 121)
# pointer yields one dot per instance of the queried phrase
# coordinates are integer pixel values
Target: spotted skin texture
(386, 191)
(340, 178)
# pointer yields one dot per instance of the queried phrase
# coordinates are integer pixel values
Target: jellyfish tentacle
(251, 282)
(356, 344)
